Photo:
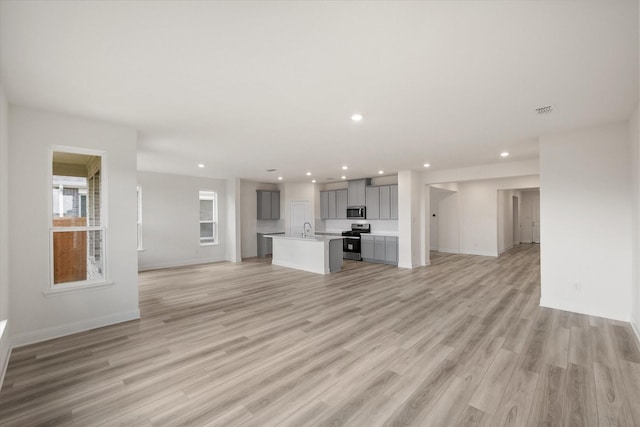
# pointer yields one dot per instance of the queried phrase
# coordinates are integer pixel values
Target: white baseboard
(184, 263)
(45, 334)
(449, 251)
(481, 253)
(577, 308)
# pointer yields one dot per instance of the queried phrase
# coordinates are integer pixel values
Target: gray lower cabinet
(268, 204)
(265, 244)
(333, 204)
(366, 247)
(391, 250)
(382, 249)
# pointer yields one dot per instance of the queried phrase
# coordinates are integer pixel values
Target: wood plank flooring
(459, 343)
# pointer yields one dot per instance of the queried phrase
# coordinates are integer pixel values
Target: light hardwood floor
(462, 342)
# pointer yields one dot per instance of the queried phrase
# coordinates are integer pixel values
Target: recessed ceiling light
(313, 180)
(504, 154)
(308, 173)
(343, 177)
(345, 167)
(380, 172)
(279, 178)
(200, 165)
(356, 117)
(426, 165)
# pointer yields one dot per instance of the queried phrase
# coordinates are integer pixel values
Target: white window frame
(209, 195)
(139, 222)
(70, 287)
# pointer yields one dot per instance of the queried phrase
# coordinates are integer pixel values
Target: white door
(300, 213)
(535, 218)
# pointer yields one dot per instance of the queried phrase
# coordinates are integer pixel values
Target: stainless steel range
(351, 242)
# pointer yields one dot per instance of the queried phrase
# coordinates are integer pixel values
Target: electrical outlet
(577, 287)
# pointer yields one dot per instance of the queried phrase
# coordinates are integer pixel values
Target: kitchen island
(316, 254)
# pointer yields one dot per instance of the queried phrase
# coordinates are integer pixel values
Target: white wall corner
(234, 220)
(45, 334)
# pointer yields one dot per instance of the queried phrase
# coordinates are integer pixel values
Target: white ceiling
(248, 86)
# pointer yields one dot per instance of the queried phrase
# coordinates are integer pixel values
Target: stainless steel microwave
(356, 212)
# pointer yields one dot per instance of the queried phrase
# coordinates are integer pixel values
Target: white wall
(634, 134)
(5, 341)
(249, 212)
(234, 221)
(506, 169)
(35, 316)
(586, 217)
(409, 219)
(170, 221)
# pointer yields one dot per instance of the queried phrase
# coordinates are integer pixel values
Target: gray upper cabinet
(382, 202)
(324, 204)
(275, 205)
(333, 204)
(357, 190)
(393, 200)
(385, 202)
(268, 204)
(373, 202)
(342, 198)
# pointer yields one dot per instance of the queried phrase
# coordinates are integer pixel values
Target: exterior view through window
(77, 221)
(208, 218)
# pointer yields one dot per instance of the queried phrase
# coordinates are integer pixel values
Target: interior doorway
(530, 216)
(300, 213)
(516, 220)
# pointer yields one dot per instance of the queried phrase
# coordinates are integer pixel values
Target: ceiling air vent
(271, 170)
(545, 109)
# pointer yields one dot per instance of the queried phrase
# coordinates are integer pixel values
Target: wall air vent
(545, 109)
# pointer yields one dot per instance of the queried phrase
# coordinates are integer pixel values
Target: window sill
(64, 290)
(141, 249)
(209, 244)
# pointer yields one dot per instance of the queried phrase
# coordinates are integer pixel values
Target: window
(78, 220)
(208, 218)
(139, 193)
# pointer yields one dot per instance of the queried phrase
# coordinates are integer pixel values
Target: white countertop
(384, 233)
(311, 238)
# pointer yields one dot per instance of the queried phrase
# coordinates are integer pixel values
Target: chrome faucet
(304, 229)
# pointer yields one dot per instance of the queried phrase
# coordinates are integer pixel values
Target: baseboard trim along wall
(45, 334)
(481, 253)
(184, 263)
(575, 308)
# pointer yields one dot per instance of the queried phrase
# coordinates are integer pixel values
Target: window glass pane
(206, 210)
(77, 256)
(76, 189)
(206, 231)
